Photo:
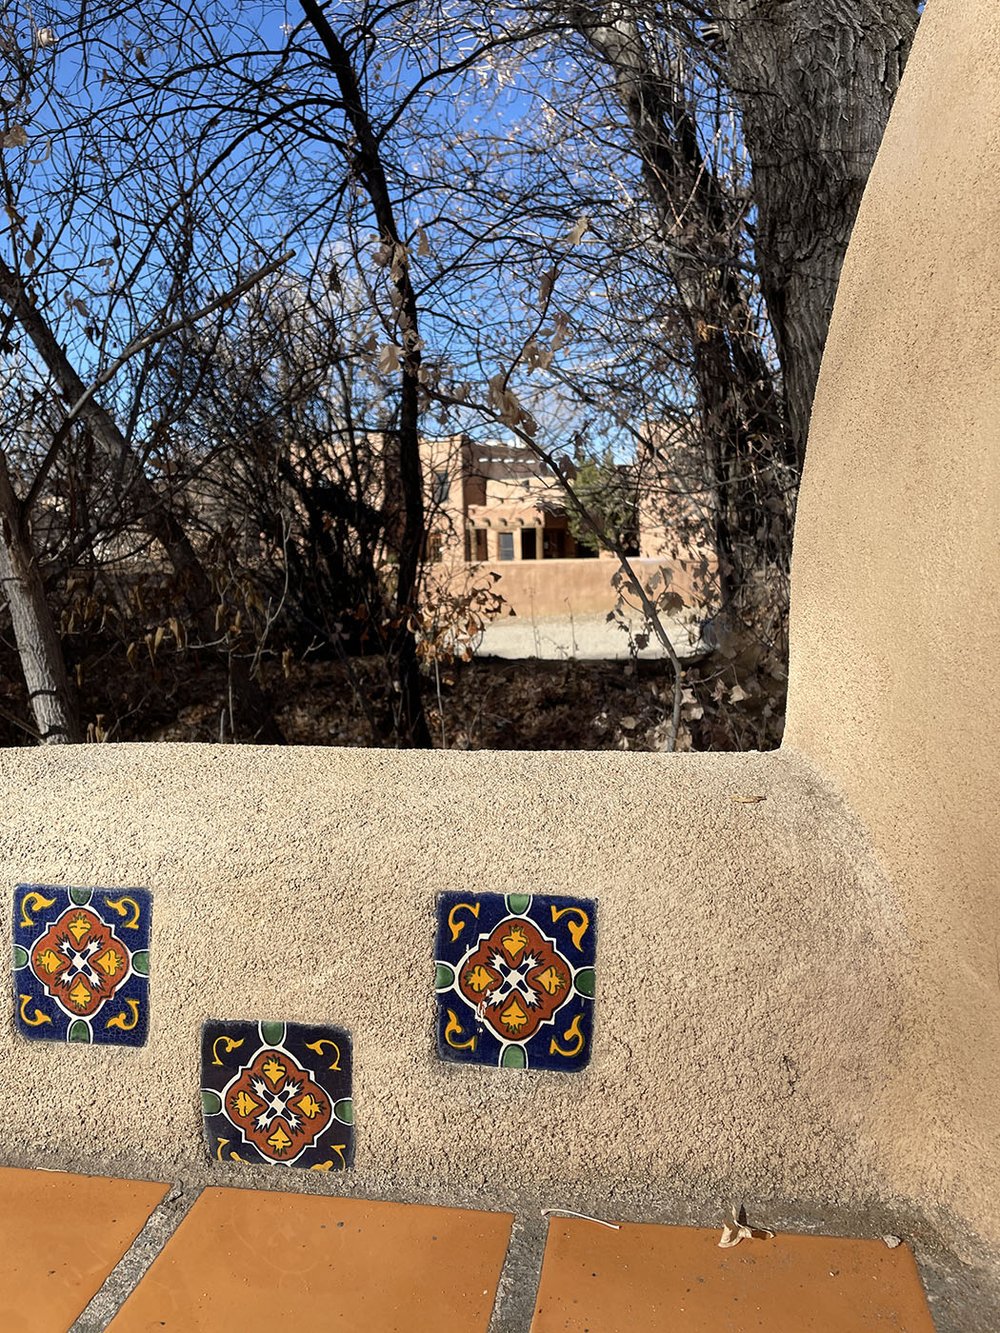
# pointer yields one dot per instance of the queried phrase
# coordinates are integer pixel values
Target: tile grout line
(134, 1264)
(519, 1278)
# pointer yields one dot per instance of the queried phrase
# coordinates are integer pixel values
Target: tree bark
(368, 166)
(50, 694)
(743, 437)
(153, 515)
(815, 81)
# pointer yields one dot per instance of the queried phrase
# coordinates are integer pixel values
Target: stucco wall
(751, 966)
(895, 674)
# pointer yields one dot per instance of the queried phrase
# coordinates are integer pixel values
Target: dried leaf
(735, 1228)
(15, 137)
(748, 800)
(577, 232)
(561, 332)
(547, 283)
(389, 358)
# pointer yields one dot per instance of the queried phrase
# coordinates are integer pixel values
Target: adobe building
(494, 508)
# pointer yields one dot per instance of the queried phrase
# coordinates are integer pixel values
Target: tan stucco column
(894, 690)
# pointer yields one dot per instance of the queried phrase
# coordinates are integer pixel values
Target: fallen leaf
(748, 800)
(735, 1228)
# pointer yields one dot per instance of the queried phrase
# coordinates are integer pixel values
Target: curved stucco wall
(750, 966)
(895, 673)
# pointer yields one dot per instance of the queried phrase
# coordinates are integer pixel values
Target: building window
(505, 545)
(480, 550)
(554, 544)
(529, 544)
(442, 487)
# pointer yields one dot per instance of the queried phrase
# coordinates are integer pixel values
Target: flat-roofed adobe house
(494, 508)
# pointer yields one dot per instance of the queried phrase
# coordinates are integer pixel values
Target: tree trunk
(49, 692)
(366, 159)
(743, 437)
(815, 81)
(154, 516)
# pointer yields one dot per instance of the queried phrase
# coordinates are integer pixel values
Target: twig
(584, 1217)
(133, 349)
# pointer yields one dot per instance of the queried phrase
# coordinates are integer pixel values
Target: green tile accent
(344, 1111)
(444, 976)
(585, 980)
(518, 903)
(81, 896)
(20, 956)
(79, 1031)
(211, 1102)
(140, 961)
(273, 1033)
(514, 1057)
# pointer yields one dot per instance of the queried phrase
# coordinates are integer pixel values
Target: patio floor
(250, 1258)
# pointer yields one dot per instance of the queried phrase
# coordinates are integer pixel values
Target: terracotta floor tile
(60, 1237)
(677, 1280)
(319, 1263)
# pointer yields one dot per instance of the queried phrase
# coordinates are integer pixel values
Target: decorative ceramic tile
(515, 979)
(278, 1094)
(81, 964)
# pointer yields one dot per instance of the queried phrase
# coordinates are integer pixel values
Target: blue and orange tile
(277, 1094)
(515, 979)
(81, 964)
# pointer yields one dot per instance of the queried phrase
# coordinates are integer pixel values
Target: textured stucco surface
(896, 633)
(751, 963)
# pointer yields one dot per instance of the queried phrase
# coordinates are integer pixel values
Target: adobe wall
(557, 589)
(895, 675)
(751, 967)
